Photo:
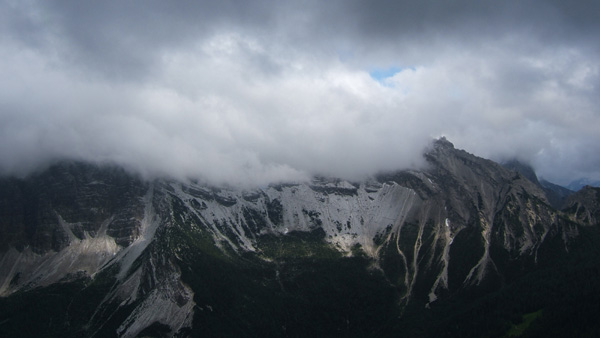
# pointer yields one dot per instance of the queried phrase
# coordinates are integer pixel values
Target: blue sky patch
(380, 74)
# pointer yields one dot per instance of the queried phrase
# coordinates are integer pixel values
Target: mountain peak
(556, 194)
(443, 142)
(523, 169)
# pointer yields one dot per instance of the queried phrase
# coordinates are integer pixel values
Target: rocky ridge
(159, 256)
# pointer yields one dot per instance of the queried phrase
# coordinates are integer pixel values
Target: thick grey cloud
(253, 92)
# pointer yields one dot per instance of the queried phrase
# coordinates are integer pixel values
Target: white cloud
(262, 100)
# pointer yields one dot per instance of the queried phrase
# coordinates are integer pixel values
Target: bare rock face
(584, 206)
(71, 218)
(173, 258)
(44, 211)
(76, 221)
(474, 219)
(555, 194)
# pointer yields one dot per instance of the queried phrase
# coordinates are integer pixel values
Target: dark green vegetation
(518, 330)
(297, 286)
(61, 310)
(564, 297)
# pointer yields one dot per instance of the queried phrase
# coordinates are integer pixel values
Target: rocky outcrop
(584, 206)
(556, 194)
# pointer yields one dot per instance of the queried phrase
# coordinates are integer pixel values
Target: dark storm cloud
(128, 38)
(261, 91)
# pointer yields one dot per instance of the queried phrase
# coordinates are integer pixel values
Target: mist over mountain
(582, 182)
(464, 246)
(259, 93)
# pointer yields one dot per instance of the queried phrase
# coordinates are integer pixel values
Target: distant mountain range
(582, 182)
(466, 247)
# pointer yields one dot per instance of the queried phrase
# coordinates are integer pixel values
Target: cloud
(254, 93)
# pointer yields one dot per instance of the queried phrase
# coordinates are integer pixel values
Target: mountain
(522, 168)
(584, 206)
(556, 194)
(453, 249)
(582, 182)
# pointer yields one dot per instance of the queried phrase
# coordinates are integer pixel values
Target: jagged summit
(443, 142)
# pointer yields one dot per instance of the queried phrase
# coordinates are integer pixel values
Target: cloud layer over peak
(242, 92)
